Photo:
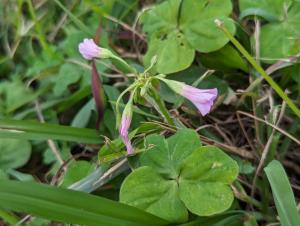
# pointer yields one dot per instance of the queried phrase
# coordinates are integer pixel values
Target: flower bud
(124, 127)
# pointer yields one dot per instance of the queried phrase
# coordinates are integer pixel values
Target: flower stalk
(160, 106)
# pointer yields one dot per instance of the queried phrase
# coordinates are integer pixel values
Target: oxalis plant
(122, 151)
(174, 175)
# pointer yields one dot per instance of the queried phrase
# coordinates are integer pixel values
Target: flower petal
(89, 49)
(204, 108)
(203, 99)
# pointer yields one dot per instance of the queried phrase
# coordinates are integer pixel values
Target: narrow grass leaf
(283, 194)
(70, 206)
(33, 130)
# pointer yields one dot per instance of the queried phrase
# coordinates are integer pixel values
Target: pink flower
(203, 99)
(89, 49)
(125, 124)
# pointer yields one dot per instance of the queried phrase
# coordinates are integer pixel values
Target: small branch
(111, 170)
(50, 142)
(245, 133)
(272, 125)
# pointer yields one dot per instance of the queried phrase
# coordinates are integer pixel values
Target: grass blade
(76, 21)
(283, 194)
(33, 130)
(70, 206)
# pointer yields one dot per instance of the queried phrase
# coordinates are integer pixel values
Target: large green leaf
(14, 153)
(166, 156)
(147, 190)
(68, 74)
(13, 95)
(33, 130)
(177, 175)
(225, 58)
(204, 180)
(176, 30)
(70, 206)
(279, 38)
(283, 194)
(271, 10)
(173, 52)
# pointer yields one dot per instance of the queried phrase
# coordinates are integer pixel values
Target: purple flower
(89, 49)
(125, 124)
(203, 99)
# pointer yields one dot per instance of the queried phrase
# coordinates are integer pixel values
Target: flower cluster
(203, 99)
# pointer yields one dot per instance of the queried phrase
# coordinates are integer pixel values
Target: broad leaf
(174, 53)
(176, 31)
(204, 181)
(14, 153)
(147, 190)
(176, 171)
(280, 38)
(166, 156)
(67, 75)
(13, 95)
(224, 59)
(271, 10)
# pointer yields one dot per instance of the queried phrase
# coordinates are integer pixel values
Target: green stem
(160, 107)
(259, 69)
(122, 65)
(38, 28)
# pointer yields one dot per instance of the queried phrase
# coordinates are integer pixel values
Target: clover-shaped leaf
(177, 175)
(176, 30)
(281, 37)
(204, 180)
(271, 10)
(173, 51)
(146, 189)
(166, 156)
